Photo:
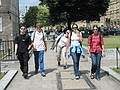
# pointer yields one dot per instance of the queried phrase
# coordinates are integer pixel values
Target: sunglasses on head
(95, 29)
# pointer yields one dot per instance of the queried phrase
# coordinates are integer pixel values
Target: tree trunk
(69, 23)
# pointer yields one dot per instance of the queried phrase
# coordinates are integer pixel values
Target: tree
(30, 18)
(36, 14)
(43, 15)
(75, 10)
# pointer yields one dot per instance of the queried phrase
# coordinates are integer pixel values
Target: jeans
(39, 60)
(96, 62)
(76, 59)
(52, 47)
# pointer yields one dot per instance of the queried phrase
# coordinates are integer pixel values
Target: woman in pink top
(95, 52)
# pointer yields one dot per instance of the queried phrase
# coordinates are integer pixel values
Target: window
(0, 24)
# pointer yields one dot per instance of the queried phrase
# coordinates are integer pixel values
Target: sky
(24, 3)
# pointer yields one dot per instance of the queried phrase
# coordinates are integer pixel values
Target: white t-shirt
(38, 43)
(63, 41)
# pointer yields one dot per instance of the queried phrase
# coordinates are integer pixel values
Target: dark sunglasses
(67, 32)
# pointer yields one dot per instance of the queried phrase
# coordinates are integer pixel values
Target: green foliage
(37, 14)
(76, 10)
(43, 15)
(31, 16)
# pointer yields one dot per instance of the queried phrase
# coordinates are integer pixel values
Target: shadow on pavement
(104, 73)
(50, 70)
(84, 71)
(32, 73)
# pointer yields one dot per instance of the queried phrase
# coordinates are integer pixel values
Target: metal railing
(117, 55)
(7, 51)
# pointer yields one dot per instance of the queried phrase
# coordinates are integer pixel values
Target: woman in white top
(75, 48)
(62, 47)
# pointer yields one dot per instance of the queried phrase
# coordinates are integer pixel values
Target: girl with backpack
(95, 51)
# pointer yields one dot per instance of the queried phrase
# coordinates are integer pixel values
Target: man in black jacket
(22, 46)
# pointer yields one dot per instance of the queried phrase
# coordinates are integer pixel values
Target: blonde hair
(39, 24)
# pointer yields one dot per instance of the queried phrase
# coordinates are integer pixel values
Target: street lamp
(26, 8)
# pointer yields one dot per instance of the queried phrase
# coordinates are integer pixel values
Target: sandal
(98, 78)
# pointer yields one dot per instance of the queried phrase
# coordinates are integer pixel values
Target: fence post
(8, 52)
(117, 57)
(0, 66)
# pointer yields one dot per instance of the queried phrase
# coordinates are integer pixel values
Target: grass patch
(109, 41)
(1, 54)
(1, 75)
(116, 70)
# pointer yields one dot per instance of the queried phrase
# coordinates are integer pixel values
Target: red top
(95, 43)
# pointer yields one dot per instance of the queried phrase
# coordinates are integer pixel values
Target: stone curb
(4, 82)
(111, 72)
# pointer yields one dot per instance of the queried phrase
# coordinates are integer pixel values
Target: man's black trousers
(24, 58)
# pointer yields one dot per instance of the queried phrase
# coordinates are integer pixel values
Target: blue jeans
(39, 60)
(76, 59)
(96, 62)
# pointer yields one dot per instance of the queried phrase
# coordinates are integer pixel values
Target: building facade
(9, 19)
(112, 17)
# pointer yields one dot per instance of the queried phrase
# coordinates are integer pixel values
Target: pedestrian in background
(62, 46)
(95, 51)
(22, 46)
(39, 47)
(75, 48)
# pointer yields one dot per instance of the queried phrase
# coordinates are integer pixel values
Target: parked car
(114, 31)
(85, 31)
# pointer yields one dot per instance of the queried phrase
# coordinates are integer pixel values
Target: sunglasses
(67, 32)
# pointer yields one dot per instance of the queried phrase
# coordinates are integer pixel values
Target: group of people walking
(71, 45)
(67, 44)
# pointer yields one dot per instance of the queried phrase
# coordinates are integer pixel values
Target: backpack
(100, 36)
(35, 33)
(59, 38)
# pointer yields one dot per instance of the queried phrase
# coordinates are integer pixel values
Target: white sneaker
(77, 77)
(43, 74)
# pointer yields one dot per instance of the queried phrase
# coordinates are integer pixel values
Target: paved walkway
(59, 79)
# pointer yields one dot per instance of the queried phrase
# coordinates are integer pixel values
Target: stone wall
(9, 11)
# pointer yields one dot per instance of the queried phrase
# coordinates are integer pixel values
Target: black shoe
(64, 67)
(26, 76)
(58, 63)
(36, 71)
